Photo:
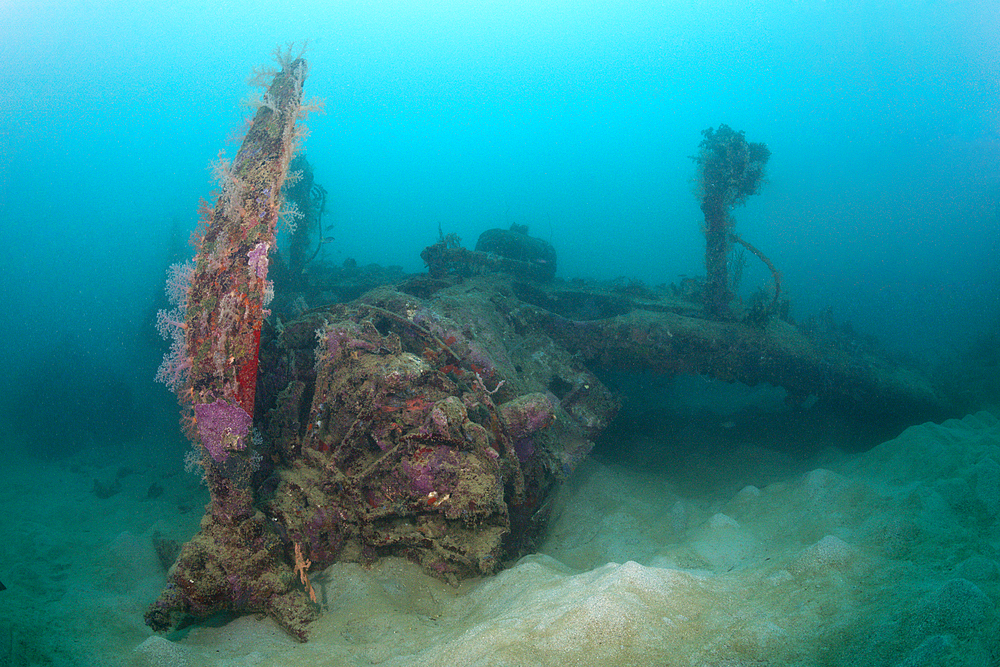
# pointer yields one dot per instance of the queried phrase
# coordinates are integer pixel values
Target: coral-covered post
(229, 287)
(729, 170)
(234, 562)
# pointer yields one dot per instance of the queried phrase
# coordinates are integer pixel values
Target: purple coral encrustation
(223, 427)
(527, 414)
(342, 337)
(257, 259)
(432, 470)
(525, 448)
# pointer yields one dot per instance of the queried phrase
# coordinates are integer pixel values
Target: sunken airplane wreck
(433, 416)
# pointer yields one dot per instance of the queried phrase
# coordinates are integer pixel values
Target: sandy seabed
(889, 557)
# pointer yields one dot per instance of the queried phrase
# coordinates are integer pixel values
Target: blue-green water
(576, 118)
